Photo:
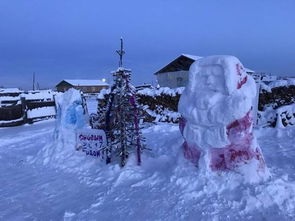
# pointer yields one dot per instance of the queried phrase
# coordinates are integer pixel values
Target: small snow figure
(70, 110)
(216, 107)
(70, 116)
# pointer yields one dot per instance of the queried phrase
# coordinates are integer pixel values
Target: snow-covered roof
(39, 94)
(80, 82)
(182, 62)
(194, 57)
(10, 90)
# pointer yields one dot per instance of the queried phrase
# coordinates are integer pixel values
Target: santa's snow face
(211, 79)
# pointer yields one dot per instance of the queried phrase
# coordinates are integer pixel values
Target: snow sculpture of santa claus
(216, 124)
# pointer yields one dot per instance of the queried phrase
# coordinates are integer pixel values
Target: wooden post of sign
(55, 106)
(256, 103)
(85, 108)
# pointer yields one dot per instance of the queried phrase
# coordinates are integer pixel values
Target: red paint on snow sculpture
(192, 153)
(239, 151)
(240, 83)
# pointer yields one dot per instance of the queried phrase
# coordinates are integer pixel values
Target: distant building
(175, 74)
(86, 86)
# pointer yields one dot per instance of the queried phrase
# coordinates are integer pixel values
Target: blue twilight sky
(60, 39)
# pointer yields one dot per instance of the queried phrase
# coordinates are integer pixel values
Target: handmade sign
(91, 141)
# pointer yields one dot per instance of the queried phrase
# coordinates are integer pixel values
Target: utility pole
(33, 81)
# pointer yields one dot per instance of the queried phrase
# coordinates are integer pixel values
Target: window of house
(179, 81)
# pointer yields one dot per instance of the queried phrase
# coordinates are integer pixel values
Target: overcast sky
(77, 39)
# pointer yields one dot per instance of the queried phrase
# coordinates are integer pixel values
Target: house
(86, 86)
(175, 74)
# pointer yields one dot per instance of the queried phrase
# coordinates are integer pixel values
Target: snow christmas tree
(122, 116)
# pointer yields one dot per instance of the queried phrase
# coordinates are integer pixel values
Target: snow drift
(70, 117)
(167, 186)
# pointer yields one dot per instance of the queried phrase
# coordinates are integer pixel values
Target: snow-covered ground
(39, 184)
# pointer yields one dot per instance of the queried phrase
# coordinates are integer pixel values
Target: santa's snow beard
(209, 114)
(207, 107)
(205, 100)
(205, 137)
(215, 109)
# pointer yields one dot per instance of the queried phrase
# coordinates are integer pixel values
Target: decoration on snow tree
(216, 108)
(122, 116)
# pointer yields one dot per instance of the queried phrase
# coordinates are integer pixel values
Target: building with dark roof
(175, 74)
(86, 86)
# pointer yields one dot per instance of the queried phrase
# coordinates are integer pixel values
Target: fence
(161, 105)
(20, 108)
(158, 105)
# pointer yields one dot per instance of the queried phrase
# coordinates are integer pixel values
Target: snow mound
(160, 91)
(277, 83)
(282, 83)
(41, 112)
(167, 186)
(285, 116)
(70, 117)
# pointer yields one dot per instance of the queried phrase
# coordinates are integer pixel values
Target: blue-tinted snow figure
(70, 114)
